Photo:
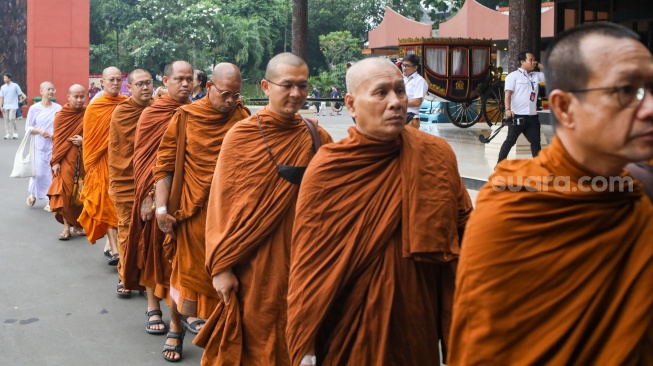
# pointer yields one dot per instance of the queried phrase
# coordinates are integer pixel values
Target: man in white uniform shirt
(416, 88)
(522, 86)
(10, 98)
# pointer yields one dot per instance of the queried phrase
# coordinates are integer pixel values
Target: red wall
(57, 45)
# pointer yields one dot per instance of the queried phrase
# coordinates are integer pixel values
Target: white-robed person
(40, 122)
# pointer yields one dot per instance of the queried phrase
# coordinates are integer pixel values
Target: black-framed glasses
(227, 94)
(627, 95)
(292, 174)
(302, 87)
(142, 84)
(407, 65)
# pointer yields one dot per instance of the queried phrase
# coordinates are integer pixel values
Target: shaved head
(134, 72)
(224, 87)
(170, 67)
(76, 88)
(225, 70)
(46, 84)
(111, 70)
(357, 73)
(285, 58)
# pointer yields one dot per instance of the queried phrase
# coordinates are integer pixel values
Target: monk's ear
(265, 85)
(562, 104)
(165, 81)
(349, 102)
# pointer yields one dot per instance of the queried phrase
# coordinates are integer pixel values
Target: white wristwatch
(161, 210)
(309, 360)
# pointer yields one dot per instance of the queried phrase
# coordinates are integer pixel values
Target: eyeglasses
(627, 95)
(302, 87)
(227, 94)
(408, 65)
(51, 90)
(142, 84)
(114, 80)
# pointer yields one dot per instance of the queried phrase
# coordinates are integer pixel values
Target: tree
(339, 47)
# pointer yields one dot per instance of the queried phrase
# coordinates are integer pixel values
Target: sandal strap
(153, 312)
(175, 335)
(196, 323)
(154, 322)
(176, 349)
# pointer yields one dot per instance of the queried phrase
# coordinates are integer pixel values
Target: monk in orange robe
(121, 169)
(66, 156)
(377, 231)
(207, 122)
(99, 216)
(250, 215)
(150, 269)
(556, 265)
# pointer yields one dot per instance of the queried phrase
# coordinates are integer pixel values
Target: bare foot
(174, 342)
(160, 326)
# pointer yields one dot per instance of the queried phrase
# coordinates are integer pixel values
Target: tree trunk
(524, 29)
(300, 28)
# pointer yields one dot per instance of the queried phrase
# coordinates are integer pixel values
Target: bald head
(135, 72)
(46, 85)
(286, 58)
(360, 71)
(111, 81)
(169, 69)
(225, 70)
(76, 88)
(76, 96)
(111, 70)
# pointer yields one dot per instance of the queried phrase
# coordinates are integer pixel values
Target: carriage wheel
(464, 114)
(493, 103)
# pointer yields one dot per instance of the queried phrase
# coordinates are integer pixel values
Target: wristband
(161, 210)
(309, 360)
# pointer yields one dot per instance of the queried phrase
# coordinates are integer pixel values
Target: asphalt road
(57, 298)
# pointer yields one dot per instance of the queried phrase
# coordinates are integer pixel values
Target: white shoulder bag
(24, 161)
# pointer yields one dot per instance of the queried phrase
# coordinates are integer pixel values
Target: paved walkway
(57, 298)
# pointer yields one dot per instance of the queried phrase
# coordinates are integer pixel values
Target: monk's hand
(225, 282)
(45, 134)
(147, 213)
(76, 140)
(55, 169)
(166, 223)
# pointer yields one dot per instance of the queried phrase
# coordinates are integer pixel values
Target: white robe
(42, 118)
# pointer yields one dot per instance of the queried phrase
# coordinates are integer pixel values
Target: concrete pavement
(57, 298)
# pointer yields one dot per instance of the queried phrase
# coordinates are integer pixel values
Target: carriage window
(480, 59)
(436, 60)
(459, 59)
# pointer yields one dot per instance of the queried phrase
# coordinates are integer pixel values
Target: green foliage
(326, 79)
(101, 56)
(338, 47)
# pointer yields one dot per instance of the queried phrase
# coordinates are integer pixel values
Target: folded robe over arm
(67, 123)
(249, 225)
(376, 236)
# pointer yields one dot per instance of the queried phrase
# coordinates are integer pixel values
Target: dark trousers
(530, 129)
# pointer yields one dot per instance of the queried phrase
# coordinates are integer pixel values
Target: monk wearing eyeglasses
(98, 217)
(121, 169)
(250, 215)
(183, 171)
(557, 260)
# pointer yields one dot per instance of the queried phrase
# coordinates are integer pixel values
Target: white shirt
(522, 84)
(415, 88)
(10, 92)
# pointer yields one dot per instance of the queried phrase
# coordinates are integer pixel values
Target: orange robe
(375, 241)
(249, 225)
(190, 286)
(67, 123)
(146, 265)
(554, 273)
(121, 169)
(99, 213)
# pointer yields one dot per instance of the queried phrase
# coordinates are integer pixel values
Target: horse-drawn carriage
(459, 71)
